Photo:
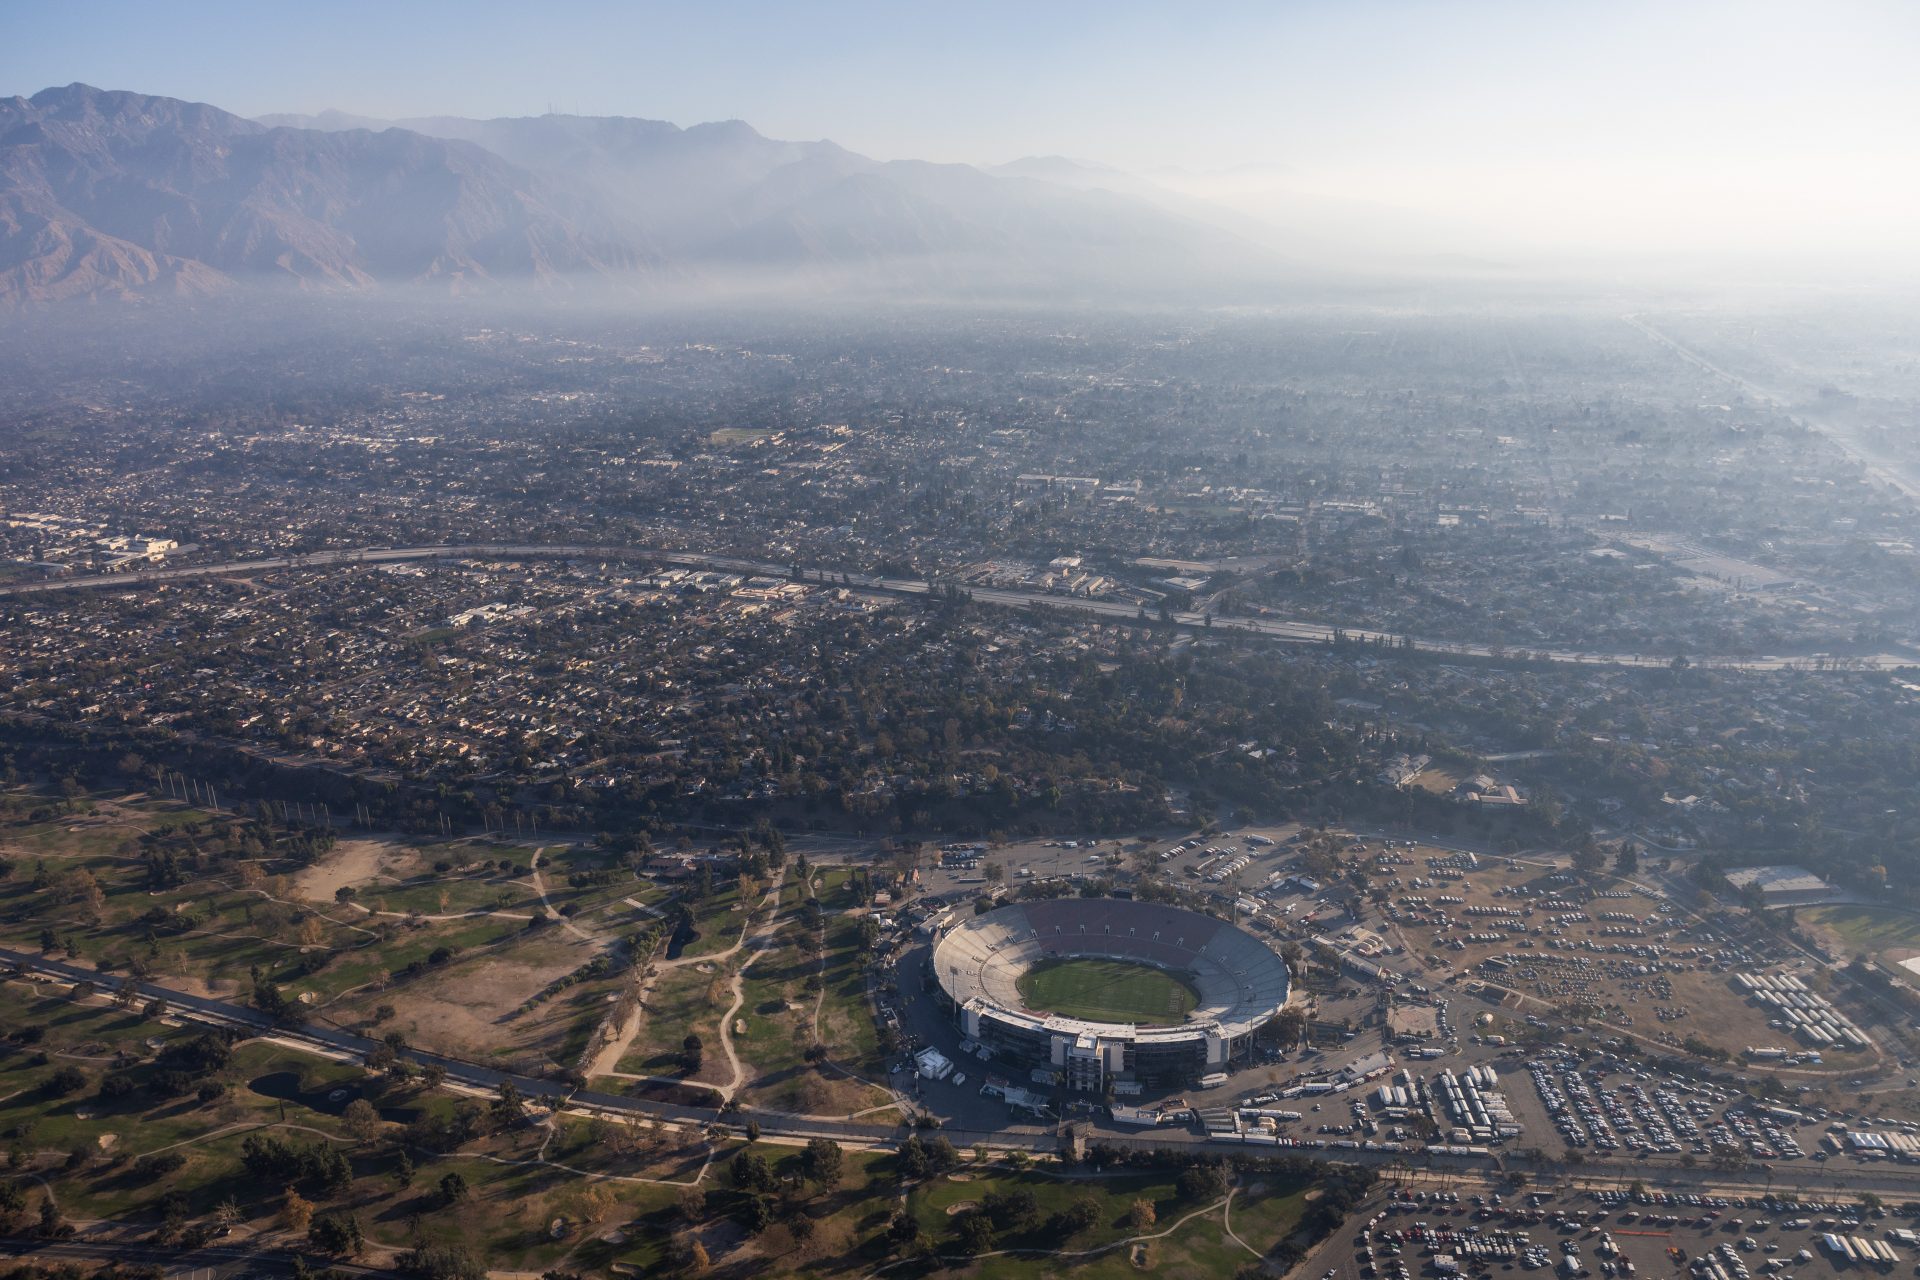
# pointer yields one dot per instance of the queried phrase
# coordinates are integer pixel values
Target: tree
(595, 1201)
(823, 1162)
(52, 1224)
(508, 1107)
(1141, 1215)
(63, 1081)
(1589, 859)
(442, 1262)
(692, 1053)
(1011, 1210)
(975, 1234)
(1627, 861)
(296, 1211)
(1201, 1182)
(337, 1233)
(1082, 1215)
(360, 1119)
(689, 1255)
(453, 1189)
(268, 999)
(755, 1213)
(751, 1172)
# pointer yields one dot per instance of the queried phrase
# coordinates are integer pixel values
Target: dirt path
(759, 941)
(1226, 1223)
(1094, 1252)
(475, 914)
(897, 1101)
(540, 887)
(606, 1060)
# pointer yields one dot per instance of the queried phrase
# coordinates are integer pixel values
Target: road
(213, 1263)
(1883, 469)
(474, 1075)
(1282, 630)
(1890, 1182)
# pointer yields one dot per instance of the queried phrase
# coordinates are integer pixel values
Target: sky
(1674, 126)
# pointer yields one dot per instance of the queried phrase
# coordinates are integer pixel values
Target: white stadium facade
(1241, 986)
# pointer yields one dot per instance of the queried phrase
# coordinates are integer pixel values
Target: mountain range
(109, 194)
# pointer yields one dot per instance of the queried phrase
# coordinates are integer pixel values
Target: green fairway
(1876, 928)
(1107, 991)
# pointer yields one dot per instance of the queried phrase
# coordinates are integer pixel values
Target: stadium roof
(1240, 982)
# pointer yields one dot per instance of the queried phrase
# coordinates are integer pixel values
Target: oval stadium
(1106, 990)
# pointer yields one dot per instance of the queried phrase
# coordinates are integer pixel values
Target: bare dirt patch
(353, 864)
(817, 1093)
(472, 1008)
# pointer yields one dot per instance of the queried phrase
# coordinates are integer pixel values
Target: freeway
(471, 1074)
(1887, 1181)
(1891, 472)
(1283, 630)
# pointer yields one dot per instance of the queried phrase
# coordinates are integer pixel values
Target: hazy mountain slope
(53, 258)
(915, 224)
(121, 192)
(117, 194)
(724, 198)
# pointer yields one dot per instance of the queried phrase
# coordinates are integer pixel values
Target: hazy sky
(1597, 122)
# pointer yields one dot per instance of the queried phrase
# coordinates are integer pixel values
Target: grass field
(1107, 991)
(1864, 928)
(1264, 1213)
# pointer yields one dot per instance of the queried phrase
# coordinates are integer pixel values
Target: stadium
(1107, 989)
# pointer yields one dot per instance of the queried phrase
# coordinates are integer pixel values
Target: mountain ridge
(115, 194)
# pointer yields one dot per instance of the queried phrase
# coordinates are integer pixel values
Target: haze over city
(783, 642)
(1771, 134)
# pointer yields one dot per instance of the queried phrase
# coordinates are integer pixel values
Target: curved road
(1286, 631)
(468, 1073)
(1888, 1181)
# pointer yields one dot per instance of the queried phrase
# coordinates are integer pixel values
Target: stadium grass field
(1107, 991)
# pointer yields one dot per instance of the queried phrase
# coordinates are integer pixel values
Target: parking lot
(1609, 1233)
(1608, 1105)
